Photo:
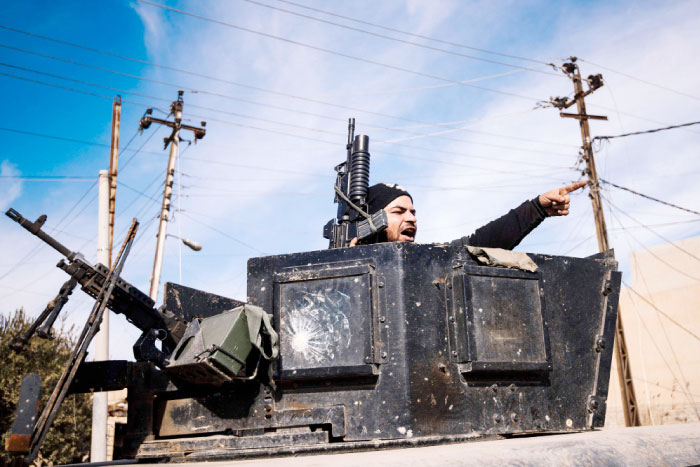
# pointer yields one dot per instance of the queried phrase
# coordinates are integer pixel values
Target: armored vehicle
(380, 345)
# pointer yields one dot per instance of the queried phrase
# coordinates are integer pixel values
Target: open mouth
(409, 233)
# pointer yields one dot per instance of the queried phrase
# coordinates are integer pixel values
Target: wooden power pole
(629, 399)
(174, 141)
(113, 164)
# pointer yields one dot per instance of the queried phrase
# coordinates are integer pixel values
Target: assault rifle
(351, 186)
(124, 298)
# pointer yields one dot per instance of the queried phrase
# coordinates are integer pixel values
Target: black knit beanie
(381, 194)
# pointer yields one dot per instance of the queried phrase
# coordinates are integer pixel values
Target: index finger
(575, 186)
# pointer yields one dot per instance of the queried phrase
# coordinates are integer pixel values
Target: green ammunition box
(213, 350)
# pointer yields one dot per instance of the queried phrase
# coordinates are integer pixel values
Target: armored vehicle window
(507, 319)
(498, 324)
(325, 323)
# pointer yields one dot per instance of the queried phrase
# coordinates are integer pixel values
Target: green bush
(68, 440)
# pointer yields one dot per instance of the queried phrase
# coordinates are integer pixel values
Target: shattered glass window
(325, 322)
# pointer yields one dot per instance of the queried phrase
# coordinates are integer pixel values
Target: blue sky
(261, 180)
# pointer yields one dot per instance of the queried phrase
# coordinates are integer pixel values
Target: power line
(284, 133)
(69, 140)
(66, 88)
(48, 178)
(249, 117)
(655, 130)
(671, 346)
(33, 252)
(80, 81)
(269, 91)
(662, 313)
(653, 231)
(681, 383)
(416, 88)
(416, 44)
(253, 167)
(386, 28)
(199, 75)
(256, 127)
(334, 52)
(272, 106)
(663, 328)
(58, 138)
(648, 250)
(638, 117)
(221, 232)
(139, 192)
(649, 197)
(665, 88)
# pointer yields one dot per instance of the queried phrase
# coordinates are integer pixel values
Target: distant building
(117, 410)
(665, 356)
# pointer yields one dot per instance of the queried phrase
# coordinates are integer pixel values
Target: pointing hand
(556, 201)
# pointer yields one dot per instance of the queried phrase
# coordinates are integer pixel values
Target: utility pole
(98, 444)
(174, 141)
(629, 399)
(113, 163)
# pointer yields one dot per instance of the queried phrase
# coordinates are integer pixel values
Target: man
(505, 232)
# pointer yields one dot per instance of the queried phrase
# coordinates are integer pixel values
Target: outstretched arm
(507, 231)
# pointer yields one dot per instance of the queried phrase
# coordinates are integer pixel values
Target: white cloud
(10, 188)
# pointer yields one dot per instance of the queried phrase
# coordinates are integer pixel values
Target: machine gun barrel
(124, 298)
(35, 229)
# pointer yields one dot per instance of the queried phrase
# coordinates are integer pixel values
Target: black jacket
(507, 231)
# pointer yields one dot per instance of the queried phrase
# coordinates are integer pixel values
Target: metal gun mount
(231, 336)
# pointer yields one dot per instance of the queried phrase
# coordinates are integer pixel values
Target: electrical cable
(221, 232)
(419, 36)
(654, 232)
(275, 131)
(334, 52)
(649, 197)
(333, 143)
(248, 117)
(403, 41)
(638, 117)
(66, 88)
(49, 178)
(644, 132)
(206, 77)
(385, 92)
(682, 380)
(665, 88)
(40, 246)
(69, 140)
(296, 111)
(661, 312)
(139, 192)
(191, 73)
(644, 247)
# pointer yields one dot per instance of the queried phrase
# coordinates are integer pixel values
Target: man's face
(403, 224)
